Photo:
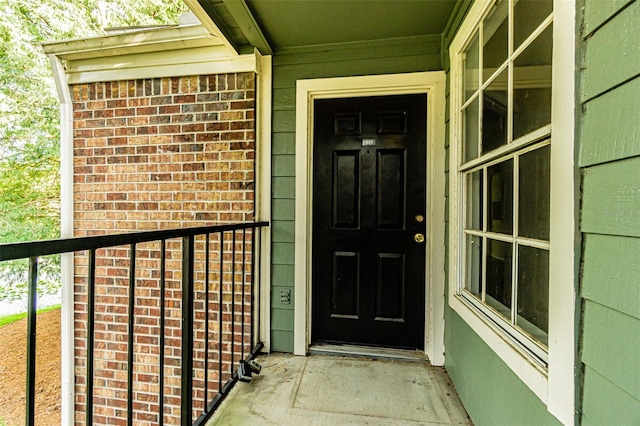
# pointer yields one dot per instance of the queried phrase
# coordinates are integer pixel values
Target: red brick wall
(148, 155)
(152, 154)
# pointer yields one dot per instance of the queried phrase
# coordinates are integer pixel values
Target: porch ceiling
(273, 25)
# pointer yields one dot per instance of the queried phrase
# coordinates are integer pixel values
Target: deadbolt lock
(419, 218)
(418, 238)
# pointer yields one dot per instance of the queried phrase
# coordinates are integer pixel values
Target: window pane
(474, 200)
(533, 199)
(500, 194)
(533, 291)
(496, 41)
(471, 67)
(528, 15)
(499, 256)
(532, 86)
(494, 113)
(471, 114)
(473, 281)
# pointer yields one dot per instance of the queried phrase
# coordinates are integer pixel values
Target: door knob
(418, 238)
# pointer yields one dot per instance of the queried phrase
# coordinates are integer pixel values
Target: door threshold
(368, 351)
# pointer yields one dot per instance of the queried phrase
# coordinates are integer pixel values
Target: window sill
(534, 376)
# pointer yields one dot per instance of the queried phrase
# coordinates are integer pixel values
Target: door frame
(431, 83)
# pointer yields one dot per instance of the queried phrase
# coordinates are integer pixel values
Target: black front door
(369, 220)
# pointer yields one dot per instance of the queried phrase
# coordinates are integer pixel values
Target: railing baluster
(132, 299)
(188, 249)
(91, 323)
(220, 312)
(31, 340)
(163, 271)
(206, 322)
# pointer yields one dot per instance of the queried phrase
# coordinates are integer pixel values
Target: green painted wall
(610, 163)
(489, 390)
(382, 57)
(609, 158)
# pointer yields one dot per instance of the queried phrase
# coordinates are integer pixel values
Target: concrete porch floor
(336, 390)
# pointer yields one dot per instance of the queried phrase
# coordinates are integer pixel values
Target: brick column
(148, 155)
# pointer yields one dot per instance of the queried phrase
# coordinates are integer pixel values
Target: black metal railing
(205, 276)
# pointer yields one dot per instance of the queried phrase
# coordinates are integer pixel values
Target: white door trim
(431, 83)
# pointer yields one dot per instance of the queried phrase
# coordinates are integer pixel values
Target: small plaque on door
(369, 142)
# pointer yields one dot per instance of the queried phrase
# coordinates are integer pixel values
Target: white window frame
(555, 384)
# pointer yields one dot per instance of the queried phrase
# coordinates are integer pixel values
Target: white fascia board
(173, 63)
(133, 42)
(156, 53)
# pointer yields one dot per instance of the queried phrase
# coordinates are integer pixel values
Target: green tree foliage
(29, 108)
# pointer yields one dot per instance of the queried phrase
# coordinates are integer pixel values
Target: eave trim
(134, 42)
(215, 28)
(248, 25)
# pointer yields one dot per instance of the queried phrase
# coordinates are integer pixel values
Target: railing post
(31, 341)
(233, 300)
(163, 287)
(91, 321)
(188, 251)
(242, 305)
(220, 311)
(255, 290)
(131, 331)
(206, 322)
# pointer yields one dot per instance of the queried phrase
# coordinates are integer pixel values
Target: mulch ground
(13, 370)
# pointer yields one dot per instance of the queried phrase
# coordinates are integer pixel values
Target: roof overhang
(276, 25)
(171, 51)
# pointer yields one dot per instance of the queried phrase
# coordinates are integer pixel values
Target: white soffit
(152, 53)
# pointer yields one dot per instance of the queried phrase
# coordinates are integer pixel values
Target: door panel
(391, 287)
(346, 189)
(344, 291)
(369, 185)
(390, 189)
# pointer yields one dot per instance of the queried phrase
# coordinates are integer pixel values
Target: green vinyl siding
(611, 199)
(283, 143)
(283, 187)
(611, 346)
(281, 340)
(599, 12)
(604, 281)
(611, 55)
(283, 231)
(415, 54)
(608, 404)
(618, 108)
(284, 165)
(610, 219)
(284, 209)
(282, 253)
